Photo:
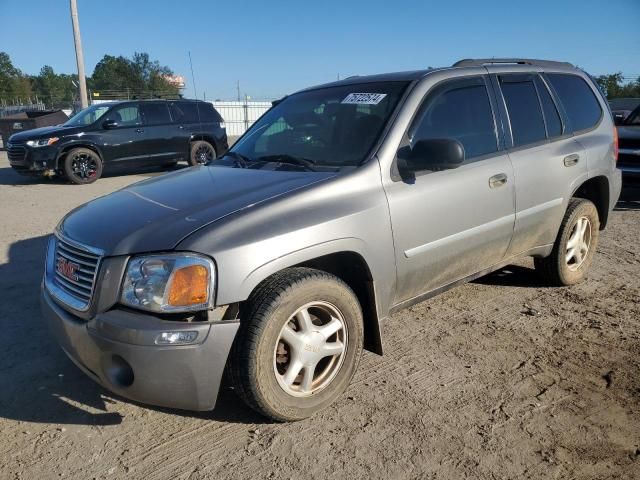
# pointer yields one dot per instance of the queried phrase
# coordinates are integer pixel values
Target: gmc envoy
(277, 262)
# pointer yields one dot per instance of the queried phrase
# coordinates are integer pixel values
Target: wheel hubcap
(578, 243)
(310, 349)
(84, 166)
(204, 154)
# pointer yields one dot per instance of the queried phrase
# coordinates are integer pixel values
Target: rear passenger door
(449, 224)
(160, 139)
(546, 159)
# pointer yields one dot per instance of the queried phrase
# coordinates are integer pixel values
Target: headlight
(179, 282)
(43, 142)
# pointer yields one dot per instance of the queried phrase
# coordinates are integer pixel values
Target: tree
(138, 76)
(14, 84)
(56, 90)
(614, 87)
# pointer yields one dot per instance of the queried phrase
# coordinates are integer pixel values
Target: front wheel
(201, 152)
(574, 247)
(82, 166)
(299, 344)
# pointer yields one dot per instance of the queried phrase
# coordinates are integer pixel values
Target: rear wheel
(574, 247)
(201, 152)
(82, 166)
(299, 344)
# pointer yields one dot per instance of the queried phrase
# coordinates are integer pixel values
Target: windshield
(324, 129)
(633, 118)
(87, 116)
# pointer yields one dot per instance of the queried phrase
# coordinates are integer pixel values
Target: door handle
(571, 160)
(181, 127)
(498, 180)
(139, 130)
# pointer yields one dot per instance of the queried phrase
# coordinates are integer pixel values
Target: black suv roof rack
(479, 62)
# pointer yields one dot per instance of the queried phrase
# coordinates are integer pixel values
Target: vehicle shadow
(8, 176)
(39, 383)
(513, 276)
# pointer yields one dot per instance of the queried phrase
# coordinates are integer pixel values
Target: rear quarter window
(579, 100)
(192, 112)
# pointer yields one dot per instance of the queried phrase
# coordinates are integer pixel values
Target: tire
(261, 355)
(564, 267)
(82, 166)
(201, 153)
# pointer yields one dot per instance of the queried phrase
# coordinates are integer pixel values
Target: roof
(412, 75)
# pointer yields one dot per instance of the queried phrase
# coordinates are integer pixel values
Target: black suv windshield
(87, 116)
(633, 118)
(331, 127)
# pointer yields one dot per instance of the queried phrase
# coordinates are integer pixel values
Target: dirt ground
(501, 378)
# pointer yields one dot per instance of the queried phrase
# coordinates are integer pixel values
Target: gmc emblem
(67, 269)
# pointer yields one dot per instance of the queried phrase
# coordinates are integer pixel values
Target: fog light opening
(119, 371)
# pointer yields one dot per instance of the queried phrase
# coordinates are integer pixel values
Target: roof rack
(480, 62)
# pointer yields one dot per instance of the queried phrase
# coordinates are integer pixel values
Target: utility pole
(238, 87)
(79, 54)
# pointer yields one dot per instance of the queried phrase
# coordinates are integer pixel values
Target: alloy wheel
(310, 349)
(579, 243)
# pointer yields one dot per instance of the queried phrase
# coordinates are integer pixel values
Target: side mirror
(432, 154)
(108, 124)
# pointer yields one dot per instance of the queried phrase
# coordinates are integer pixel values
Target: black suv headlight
(43, 142)
(169, 283)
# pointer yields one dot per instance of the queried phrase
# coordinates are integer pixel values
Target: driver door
(452, 223)
(123, 145)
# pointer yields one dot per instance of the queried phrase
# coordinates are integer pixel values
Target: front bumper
(32, 161)
(117, 350)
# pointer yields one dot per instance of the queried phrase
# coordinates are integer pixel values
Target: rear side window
(525, 113)
(192, 112)
(551, 115)
(155, 113)
(578, 99)
(461, 111)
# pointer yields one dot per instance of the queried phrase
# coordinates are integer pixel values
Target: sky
(277, 47)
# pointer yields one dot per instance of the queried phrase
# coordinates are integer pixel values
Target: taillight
(615, 144)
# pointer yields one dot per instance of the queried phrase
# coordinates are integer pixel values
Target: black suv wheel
(82, 166)
(201, 153)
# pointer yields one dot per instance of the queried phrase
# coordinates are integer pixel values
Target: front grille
(16, 153)
(81, 267)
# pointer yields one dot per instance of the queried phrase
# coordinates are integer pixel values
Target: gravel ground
(500, 378)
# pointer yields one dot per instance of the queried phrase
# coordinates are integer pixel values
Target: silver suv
(277, 262)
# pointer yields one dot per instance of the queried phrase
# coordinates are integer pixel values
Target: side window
(187, 112)
(462, 112)
(578, 99)
(551, 115)
(525, 113)
(156, 113)
(126, 116)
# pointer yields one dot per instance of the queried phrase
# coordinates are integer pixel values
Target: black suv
(128, 134)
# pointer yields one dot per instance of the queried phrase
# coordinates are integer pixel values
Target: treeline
(614, 86)
(116, 76)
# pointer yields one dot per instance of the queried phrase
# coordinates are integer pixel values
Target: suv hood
(156, 214)
(43, 132)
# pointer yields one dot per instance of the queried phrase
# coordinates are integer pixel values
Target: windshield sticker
(364, 98)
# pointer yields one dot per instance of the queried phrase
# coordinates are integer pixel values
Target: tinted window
(463, 113)
(578, 100)
(156, 113)
(126, 115)
(525, 114)
(190, 112)
(551, 115)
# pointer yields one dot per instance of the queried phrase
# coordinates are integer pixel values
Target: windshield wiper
(290, 159)
(240, 160)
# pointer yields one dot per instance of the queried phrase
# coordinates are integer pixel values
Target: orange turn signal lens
(190, 286)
